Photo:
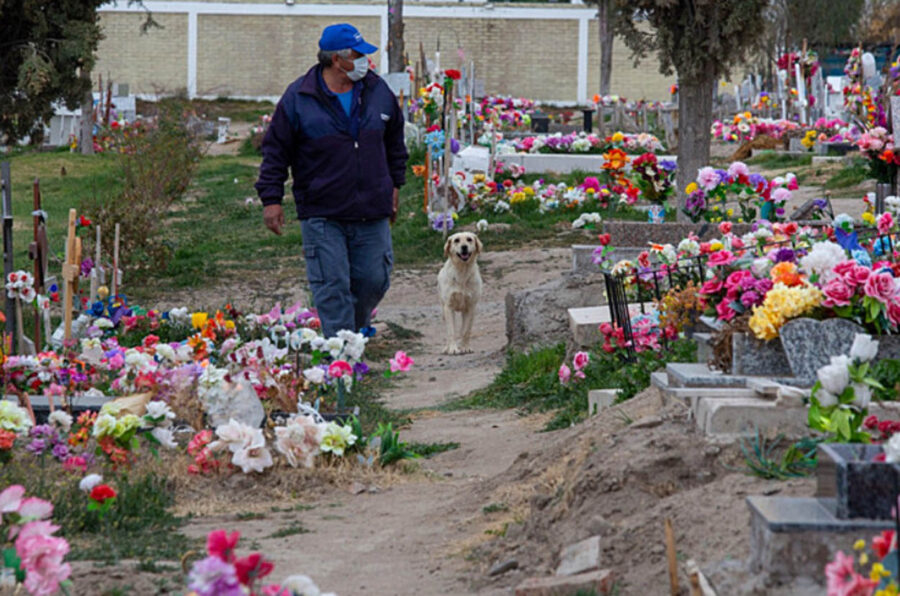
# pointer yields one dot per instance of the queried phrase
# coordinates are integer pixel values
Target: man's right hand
(273, 216)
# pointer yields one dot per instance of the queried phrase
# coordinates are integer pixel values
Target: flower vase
(656, 214)
(766, 210)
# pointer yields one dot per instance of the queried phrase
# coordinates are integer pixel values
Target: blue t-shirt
(346, 99)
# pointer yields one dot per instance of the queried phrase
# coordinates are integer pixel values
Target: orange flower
(615, 159)
(786, 273)
(418, 170)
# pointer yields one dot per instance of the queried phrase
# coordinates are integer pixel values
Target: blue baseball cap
(344, 37)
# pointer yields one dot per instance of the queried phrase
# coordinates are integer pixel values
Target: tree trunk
(396, 50)
(695, 103)
(604, 14)
(86, 135)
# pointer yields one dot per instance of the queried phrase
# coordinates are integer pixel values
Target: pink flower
(885, 223)
(42, 560)
(707, 178)
(781, 194)
(738, 169)
(221, 544)
(893, 312)
(860, 274)
(837, 293)
(880, 286)
(564, 374)
(739, 279)
(11, 499)
(844, 268)
(75, 463)
(725, 312)
(116, 362)
(843, 580)
(339, 368)
(35, 508)
(721, 258)
(725, 226)
(710, 287)
(39, 527)
(401, 362)
(581, 360)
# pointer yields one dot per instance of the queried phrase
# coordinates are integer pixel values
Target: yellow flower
(454, 216)
(715, 208)
(478, 178)
(863, 559)
(198, 319)
(716, 245)
(730, 212)
(891, 590)
(617, 137)
(517, 197)
(589, 191)
(868, 218)
(878, 571)
(859, 544)
(528, 191)
(781, 304)
(692, 187)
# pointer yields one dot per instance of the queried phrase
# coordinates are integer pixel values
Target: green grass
(291, 530)
(494, 507)
(772, 160)
(851, 175)
(431, 449)
(530, 381)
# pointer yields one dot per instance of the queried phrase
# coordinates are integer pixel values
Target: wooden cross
(70, 272)
(38, 251)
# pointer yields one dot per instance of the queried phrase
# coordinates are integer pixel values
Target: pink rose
(837, 293)
(885, 223)
(581, 360)
(859, 275)
(721, 258)
(725, 227)
(880, 286)
(844, 268)
(710, 287)
(725, 312)
(565, 373)
(401, 362)
(893, 312)
(736, 279)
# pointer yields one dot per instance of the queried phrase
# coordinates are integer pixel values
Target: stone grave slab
(751, 356)
(696, 374)
(793, 537)
(600, 399)
(732, 417)
(584, 321)
(580, 557)
(851, 485)
(809, 344)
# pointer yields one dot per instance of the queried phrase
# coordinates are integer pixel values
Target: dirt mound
(621, 481)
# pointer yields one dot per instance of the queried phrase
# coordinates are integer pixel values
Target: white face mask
(360, 68)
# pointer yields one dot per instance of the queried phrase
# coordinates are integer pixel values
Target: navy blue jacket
(343, 168)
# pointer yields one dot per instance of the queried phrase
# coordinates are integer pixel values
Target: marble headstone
(750, 356)
(895, 113)
(809, 344)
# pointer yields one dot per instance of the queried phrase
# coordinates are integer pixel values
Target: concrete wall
(255, 48)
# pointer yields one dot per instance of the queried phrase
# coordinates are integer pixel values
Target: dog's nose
(464, 249)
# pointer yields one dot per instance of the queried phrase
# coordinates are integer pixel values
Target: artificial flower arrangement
(745, 127)
(709, 196)
(876, 144)
(840, 398)
(589, 143)
(654, 178)
(878, 571)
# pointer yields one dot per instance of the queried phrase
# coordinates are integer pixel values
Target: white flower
(88, 483)
(355, 344)
(835, 377)
(103, 323)
(210, 379)
(689, 247)
(749, 239)
(314, 375)
(862, 395)
(60, 419)
(864, 348)
(481, 225)
(337, 438)
(104, 425)
(760, 267)
(317, 343)
(235, 435)
(138, 361)
(826, 399)
(822, 259)
(180, 316)
(501, 207)
(892, 449)
(334, 345)
(301, 585)
(111, 408)
(762, 233)
(299, 440)
(166, 352)
(844, 221)
(13, 418)
(159, 413)
(252, 459)
(164, 436)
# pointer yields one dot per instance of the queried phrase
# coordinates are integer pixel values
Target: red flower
(83, 221)
(604, 239)
(222, 545)
(102, 492)
(453, 74)
(882, 544)
(251, 568)
(7, 438)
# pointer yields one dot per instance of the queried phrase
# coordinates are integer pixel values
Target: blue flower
(435, 142)
(668, 165)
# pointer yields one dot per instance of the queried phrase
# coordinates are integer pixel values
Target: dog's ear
(478, 245)
(447, 248)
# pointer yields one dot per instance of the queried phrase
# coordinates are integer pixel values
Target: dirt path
(409, 538)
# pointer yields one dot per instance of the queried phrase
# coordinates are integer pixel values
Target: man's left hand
(396, 205)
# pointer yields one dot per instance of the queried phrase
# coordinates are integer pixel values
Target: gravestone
(895, 113)
(751, 356)
(222, 136)
(852, 485)
(809, 344)
(398, 82)
(238, 401)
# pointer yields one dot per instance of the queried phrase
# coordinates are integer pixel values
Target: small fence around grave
(652, 284)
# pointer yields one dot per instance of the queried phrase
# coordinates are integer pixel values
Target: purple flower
(214, 577)
(438, 223)
(820, 203)
(86, 266)
(37, 446)
(360, 369)
(668, 165)
(757, 179)
(60, 451)
(783, 255)
(724, 178)
(750, 299)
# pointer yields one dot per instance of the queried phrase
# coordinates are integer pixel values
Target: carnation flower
(336, 438)
(299, 440)
(822, 259)
(707, 178)
(60, 419)
(214, 577)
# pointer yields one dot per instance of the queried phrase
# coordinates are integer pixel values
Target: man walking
(340, 131)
